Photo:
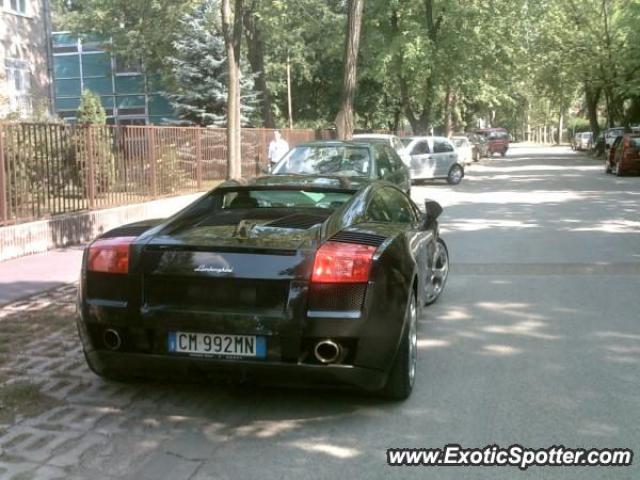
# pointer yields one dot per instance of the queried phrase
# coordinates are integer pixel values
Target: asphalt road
(535, 341)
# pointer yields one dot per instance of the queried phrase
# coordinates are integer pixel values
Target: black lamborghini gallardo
(279, 279)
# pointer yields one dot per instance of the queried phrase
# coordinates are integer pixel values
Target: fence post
(198, 159)
(91, 167)
(153, 164)
(3, 182)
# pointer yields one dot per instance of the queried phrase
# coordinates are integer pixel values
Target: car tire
(503, 153)
(454, 177)
(440, 272)
(607, 168)
(402, 374)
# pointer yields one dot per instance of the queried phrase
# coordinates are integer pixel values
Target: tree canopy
(441, 65)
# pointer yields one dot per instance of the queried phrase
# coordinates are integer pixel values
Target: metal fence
(51, 169)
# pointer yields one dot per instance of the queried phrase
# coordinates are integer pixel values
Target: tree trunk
(232, 31)
(447, 112)
(344, 119)
(592, 98)
(560, 126)
(255, 53)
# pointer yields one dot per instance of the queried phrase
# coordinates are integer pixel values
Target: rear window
(635, 141)
(351, 161)
(283, 199)
(460, 142)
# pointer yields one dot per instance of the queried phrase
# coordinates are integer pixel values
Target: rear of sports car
(246, 292)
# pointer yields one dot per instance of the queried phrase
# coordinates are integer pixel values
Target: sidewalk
(26, 276)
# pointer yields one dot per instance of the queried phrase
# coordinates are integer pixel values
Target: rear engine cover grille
(337, 296)
(359, 238)
(218, 294)
(300, 221)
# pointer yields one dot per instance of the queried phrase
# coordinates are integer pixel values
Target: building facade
(128, 95)
(25, 80)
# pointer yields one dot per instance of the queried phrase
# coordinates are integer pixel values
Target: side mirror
(432, 212)
(265, 170)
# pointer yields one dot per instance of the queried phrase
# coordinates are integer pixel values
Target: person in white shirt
(277, 148)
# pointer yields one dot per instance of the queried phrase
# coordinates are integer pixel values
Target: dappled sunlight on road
(327, 449)
(612, 226)
(501, 350)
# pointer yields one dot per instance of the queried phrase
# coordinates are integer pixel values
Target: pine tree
(199, 68)
(90, 111)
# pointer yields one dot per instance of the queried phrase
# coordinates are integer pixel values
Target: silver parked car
(434, 158)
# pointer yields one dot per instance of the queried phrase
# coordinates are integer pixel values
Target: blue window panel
(67, 88)
(101, 86)
(64, 39)
(96, 65)
(66, 66)
(159, 105)
(130, 101)
(130, 84)
(154, 83)
(107, 102)
(67, 103)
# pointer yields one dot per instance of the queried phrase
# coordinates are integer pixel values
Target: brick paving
(91, 428)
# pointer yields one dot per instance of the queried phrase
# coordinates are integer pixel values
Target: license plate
(249, 346)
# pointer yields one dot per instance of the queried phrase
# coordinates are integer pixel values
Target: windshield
(350, 161)
(405, 141)
(283, 199)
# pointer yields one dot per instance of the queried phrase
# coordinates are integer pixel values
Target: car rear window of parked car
(283, 199)
(326, 160)
(440, 146)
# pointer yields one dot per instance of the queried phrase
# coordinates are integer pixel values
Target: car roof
(334, 143)
(428, 137)
(374, 135)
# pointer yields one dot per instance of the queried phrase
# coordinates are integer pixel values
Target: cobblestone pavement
(88, 428)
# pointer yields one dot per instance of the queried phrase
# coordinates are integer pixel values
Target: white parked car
(434, 158)
(464, 148)
(392, 140)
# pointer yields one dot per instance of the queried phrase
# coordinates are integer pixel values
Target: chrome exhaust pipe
(112, 339)
(327, 351)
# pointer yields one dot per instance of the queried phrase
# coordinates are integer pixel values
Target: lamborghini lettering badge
(212, 269)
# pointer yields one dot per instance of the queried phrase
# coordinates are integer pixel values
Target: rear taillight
(110, 255)
(338, 262)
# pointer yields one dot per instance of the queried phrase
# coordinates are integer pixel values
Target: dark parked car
(624, 155)
(278, 279)
(480, 146)
(346, 159)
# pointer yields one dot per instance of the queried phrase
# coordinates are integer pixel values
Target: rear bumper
(168, 366)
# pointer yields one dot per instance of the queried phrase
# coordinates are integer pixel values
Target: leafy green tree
(91, 111)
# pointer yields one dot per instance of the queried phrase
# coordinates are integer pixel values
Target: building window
(127, 66)
(18, 6)
(18, 75)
